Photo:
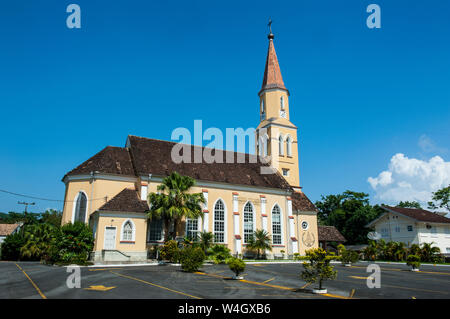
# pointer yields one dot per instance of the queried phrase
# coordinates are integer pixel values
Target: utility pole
(26, 204)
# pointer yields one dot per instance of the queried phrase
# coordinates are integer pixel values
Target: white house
(8, 229)
(413, 226)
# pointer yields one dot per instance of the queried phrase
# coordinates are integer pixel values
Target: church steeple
(272, 73)
(276, 135)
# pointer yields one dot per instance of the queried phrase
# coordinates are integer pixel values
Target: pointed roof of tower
(272, 73)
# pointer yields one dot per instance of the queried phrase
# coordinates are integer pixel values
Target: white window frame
(281, 224)
(253, 219)
(196, 231)
(74, 206)
(224, 221)
(133, 230)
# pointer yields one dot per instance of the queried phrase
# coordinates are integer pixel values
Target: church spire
(272, 73)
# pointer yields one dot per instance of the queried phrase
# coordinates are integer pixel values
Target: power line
(45, 199)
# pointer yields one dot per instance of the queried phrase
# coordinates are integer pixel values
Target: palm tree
(381, 249)
(399, 252)
(206, 239)
(38, 239)
(260, 241)
(370, 252)
(414, 250)
(173, 202)
(428, 251)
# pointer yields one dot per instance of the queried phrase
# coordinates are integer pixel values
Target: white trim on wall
(74, 205)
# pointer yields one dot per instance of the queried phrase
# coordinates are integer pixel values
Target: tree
(38, 240)
(205, 240)
(428, 251)
(260, 241)
(349, 212)
(51, 216)
(407, 204)
(440, 199)
(236, 265)
(318, 269)
(10, 248)
(173, 202)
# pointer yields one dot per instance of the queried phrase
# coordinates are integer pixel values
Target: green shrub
(219, 253)
(72, 244)
(318, 269)
(340, 249)
(413, 261)
(10, 248)
(191, 258)
(349, 256)
(236, 265)
(170, 251)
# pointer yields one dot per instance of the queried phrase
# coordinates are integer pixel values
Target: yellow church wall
(96, 190)
(139, 243)
(272, 102)
(304, 236)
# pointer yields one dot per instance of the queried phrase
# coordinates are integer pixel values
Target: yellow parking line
(269, 280)
(358, 277)
(352, 293)
(397, 269)
(155, 285)
(269, 285)
(104, 269)
(306, 285)
(32, 282)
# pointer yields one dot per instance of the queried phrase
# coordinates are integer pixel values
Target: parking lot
(261, 281)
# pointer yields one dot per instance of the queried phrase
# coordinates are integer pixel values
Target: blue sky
(359, 96)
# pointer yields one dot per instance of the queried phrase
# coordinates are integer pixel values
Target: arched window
(80, 208)
(127, 231)
(280, 145)
(263, 107)
(248, 222)
(263, 145)
(219, 222)
(289, 146)
(276, 225)
(282, 102)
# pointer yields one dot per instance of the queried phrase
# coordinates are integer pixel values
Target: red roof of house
(418, 214)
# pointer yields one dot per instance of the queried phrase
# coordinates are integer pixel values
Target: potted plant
(348, 257)
(237, 266)
(414, 262)
(318, 269)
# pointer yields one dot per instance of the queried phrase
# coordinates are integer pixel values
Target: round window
(305, 225)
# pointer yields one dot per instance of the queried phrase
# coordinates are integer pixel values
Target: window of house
(397, 229)
(219, 222)
(447, 250)
(280, 145)
(433, 231)
(285, 172)
(191, 228)
(127, 233)
(80, 208)
(410, 228)
(155, 230)
(276, 225)
(289, 146)
(384, 232)
(248, 222)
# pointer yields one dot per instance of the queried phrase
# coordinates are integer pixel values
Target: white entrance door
(110, 238)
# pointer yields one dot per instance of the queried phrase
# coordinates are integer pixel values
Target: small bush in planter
(349, 256)
(413, 261)
(191, 258)
(170, 251)
(318, 269)
(236, 265)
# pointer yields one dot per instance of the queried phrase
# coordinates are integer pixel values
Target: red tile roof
(127, 200)
(330, 233)
(418, 214)
(7, 229)
(110, 160)
(302, 203)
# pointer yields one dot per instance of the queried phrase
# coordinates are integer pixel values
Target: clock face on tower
(283, 114)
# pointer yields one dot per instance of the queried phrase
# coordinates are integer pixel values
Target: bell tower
(276, 135)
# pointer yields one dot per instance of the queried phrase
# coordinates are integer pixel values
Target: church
(109, 191)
